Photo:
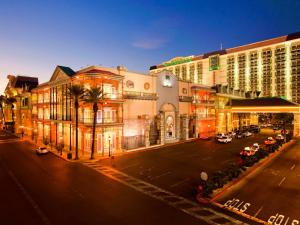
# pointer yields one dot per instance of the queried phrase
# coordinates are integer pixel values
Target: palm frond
(93, 95)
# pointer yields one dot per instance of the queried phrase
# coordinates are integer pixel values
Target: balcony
(203, 102)
(204, 116)
(102, 121)
(139, 95)
(113, 96)
(185, 98)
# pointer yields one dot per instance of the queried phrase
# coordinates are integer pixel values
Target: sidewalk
(85, 156)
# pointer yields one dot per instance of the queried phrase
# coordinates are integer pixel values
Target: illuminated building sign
(214, 62)
(178, 60)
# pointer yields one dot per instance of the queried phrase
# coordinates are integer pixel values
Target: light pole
(61, 144)
(109, 139)
(35, 136)
(22, 131)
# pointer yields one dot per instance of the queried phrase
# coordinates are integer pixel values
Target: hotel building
(269, 68)
(183, 98)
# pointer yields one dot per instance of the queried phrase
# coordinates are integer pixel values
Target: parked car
(270, 141)
(231, 134)
(220, 135)
(239, 135)
(279, 137)
(246, 134)
(225, 139)
(254, 128)
(41, 151)
(255, 146)
(247, 151)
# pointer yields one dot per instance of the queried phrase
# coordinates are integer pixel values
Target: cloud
(148, 43)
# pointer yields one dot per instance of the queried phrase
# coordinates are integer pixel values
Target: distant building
(268, 68)
(18, 117)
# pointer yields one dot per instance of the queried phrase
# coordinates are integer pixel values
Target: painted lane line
(258, 211)
(161, 175)
(164, 196)
(293, 167)
(34, 205)
(180, 182)
(283, 179)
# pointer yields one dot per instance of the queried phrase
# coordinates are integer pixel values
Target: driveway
(177, 168)
(272, 194)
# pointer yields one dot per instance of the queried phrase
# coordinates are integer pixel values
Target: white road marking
(180, 182)
(283, 179)
(167, 197)
(30, 199)
(293, 167)
(258, 211)
(161, 175)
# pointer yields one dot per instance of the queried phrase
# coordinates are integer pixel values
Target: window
(129, 84)
(146, 86)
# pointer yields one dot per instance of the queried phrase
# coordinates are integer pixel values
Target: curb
(252, 218)
(251, 170)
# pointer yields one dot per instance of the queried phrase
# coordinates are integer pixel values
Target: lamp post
(22, 131)
(61, 144)
(35, 136)
(109, 139)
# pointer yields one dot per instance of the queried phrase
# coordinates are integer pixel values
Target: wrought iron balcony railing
(101, 121)
(139, 95)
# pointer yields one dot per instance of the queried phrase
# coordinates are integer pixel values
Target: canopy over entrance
(263, 105)
(267, 105)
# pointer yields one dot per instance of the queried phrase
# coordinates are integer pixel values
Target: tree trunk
(76, 127)
(3, 116)
(95, 108)
(13, 120)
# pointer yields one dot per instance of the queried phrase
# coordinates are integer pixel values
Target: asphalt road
(177, 168)
(48, 190)
(272, 193)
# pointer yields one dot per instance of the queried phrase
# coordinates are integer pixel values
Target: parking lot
(272, 193)
(177, 168)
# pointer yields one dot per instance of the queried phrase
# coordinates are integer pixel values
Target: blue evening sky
(37, 35)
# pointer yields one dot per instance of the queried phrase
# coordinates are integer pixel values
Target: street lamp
(61, 144)
(35, 136)
(109, 139)
(22, 130)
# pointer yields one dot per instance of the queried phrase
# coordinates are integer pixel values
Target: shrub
(208, 188)
(233, 171)
(218, 179)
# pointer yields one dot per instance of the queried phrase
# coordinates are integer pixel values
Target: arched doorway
(169, 121)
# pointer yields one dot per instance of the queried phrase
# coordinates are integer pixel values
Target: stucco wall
(166, 94)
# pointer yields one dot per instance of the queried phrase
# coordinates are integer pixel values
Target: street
(48, 190)
(177, 168)
(272, 193)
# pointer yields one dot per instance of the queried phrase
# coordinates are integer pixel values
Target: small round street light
(22, 130)
(109, 140)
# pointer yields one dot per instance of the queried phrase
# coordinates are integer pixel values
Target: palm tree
(2, 101)
(93, 95)
(76, 91)
(10, 101)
